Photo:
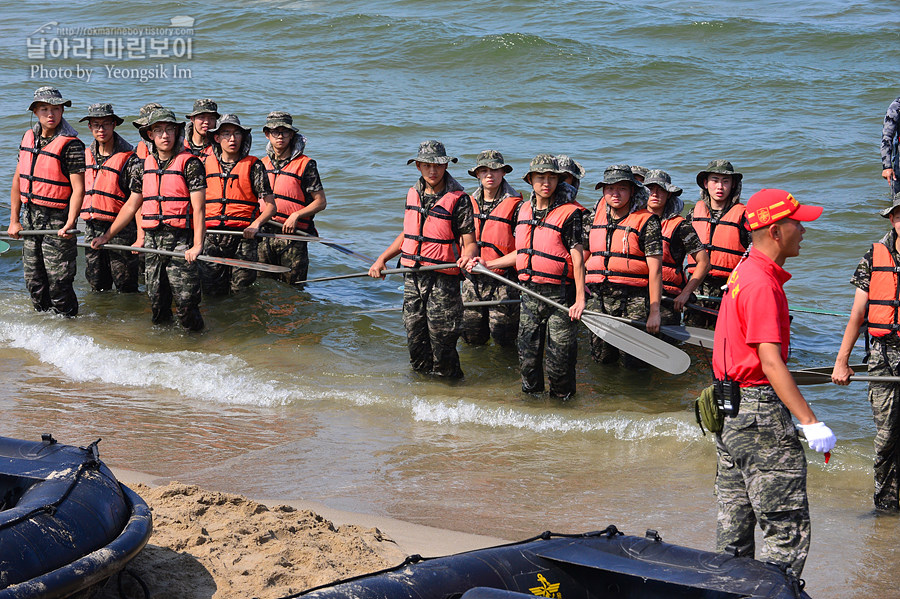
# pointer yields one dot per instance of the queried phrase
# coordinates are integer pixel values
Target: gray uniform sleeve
(889, 134)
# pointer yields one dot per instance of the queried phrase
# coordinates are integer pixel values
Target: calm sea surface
(301, 395)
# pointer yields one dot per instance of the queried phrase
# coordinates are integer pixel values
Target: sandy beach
(212, 545)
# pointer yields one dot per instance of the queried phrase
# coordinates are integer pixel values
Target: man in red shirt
(761, 474)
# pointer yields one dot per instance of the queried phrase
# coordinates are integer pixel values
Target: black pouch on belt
(728, 396)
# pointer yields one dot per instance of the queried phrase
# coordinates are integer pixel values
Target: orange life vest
(166, 196)
(541, 255)
(721, 238)
(617, 258)
(673, 278)
(230, 201)
(142, 150)
(494, 230)
(288, 190)
(103, 198)
(41, 178)
(884, 293)
(428, 234)
(206, 151)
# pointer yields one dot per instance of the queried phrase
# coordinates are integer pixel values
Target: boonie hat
(99, 111)
(160, 115)
(570, 166)
(228, 119)
(204, 105)
(542, 163)
(661, 178)
(145, 111)
(48, 95)
(769, 206)
(432, 151)
(639, 171)
(279, 118)
(491, 159)
(719, 167)
(616, 174)
(887, 211)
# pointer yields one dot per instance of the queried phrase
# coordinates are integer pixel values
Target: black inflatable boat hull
(66, 524)
(590, 566)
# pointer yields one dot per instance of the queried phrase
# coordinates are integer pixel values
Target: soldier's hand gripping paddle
(620, 335)
(261, 266)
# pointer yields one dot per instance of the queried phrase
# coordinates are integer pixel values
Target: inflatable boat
(66, 524)
(597, 565)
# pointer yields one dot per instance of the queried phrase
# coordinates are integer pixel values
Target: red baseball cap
(768, 206)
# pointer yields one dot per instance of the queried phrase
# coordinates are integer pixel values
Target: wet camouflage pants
(220, 279)
(103, 268)
(500, 322)
(170, 278)
(884, 360)
(282, 252)
(49, 261)
(432, 315)
(544, 329)
(617, 300)
(711, 286)
(761, 478)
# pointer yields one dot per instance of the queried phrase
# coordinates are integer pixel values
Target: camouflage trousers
(221, 279)
(884, 360)
(500, 322)
(432, 315)
(544, 329)
(283, 252)
(103, 268)
(761, 478)
(667, 313)
(49, 261)
(711, 286)
(617, 300)
(170, 278)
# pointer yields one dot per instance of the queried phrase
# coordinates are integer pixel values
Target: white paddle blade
(637, 343)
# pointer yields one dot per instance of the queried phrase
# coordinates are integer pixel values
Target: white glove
(819, 436)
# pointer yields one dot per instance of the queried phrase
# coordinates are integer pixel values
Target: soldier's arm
(842, 372)
(577, 309)
(126, 214)
(888, 135)
(75, 201)
(314, 207)
(783, 382)
(198, 210)
(391, 251)
(15, 203)
(654, 264)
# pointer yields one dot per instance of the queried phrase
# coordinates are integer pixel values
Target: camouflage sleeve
(194, 174)
(573, 230)
(650, 240)
(863, 273)
(889, 134)
(137, 178)
(690, 241)
(587, 221)
(73, 162)
(463, 216)
(310, 178)
(744, 232)
(259, 179)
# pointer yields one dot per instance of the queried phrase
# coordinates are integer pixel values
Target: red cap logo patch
(762, 215)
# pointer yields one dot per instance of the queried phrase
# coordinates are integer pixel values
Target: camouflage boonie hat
(542, 163)
(887, 211)
(491, 159)
(432, 151)
(279, 118)
(204, 105)
(616, 174)
(720, 167)
(639, 171)
(48, 95)
(570, 166)
(99, 111)
(145, 111)
(228, 119)
(160, 115)
(661, 178)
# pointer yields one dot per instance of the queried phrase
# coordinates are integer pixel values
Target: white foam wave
(619, 425)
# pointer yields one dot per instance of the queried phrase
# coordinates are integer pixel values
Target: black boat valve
(653, 535)
(47, 439)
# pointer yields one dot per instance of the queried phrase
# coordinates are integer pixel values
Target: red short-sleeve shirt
(754, 310)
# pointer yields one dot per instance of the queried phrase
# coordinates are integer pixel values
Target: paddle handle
(386, 271)
(131, 248)
(38, 232)
(265, 234)
(483, 270)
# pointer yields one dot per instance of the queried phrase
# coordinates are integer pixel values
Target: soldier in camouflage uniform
(47, 191)
(639, 172)
(438, 212)
(719, 206)
(890, 161)
(142, 149)
(761, 469)
(550, 224)
(573, 171)
(231, 145)
(201, 120)
(168, 278)
(103, 268)
(496, 206)
(623, 201)
(883, 356)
